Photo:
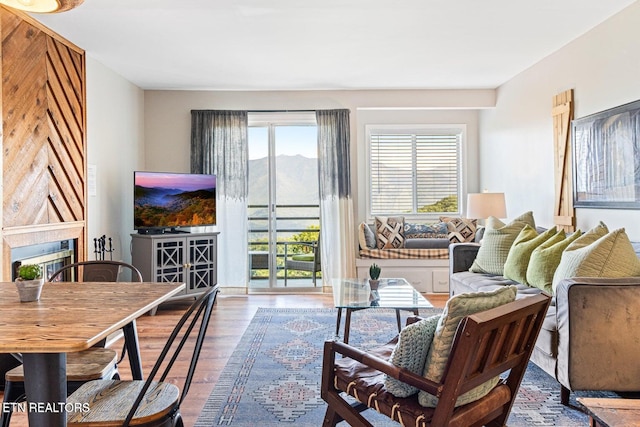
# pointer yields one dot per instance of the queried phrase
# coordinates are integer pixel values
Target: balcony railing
(293, 223)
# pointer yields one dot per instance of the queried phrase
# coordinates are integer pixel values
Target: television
(168, 202)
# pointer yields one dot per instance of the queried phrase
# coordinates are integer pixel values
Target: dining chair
(91, 364)
(151, 402)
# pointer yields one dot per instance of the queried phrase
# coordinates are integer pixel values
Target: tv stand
(188, 258)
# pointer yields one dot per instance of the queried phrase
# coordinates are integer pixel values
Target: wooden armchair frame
(486, 345)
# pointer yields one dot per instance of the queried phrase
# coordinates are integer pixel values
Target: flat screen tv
(166, 202)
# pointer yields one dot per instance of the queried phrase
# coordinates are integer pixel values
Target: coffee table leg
(398, 320)
(338, 323)
(347, 326)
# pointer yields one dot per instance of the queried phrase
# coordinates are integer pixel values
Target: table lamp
(483, 205)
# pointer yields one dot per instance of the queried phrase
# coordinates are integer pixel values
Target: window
(415, 171)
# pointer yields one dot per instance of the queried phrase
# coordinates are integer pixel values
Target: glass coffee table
(356, 294)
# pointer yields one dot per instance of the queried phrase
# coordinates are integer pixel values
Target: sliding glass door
(283, 202)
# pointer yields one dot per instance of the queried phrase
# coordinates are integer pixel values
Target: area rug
(273, 376)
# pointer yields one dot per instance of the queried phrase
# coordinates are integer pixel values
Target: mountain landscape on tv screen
(171, 207)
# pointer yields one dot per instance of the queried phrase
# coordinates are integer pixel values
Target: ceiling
(327, 44)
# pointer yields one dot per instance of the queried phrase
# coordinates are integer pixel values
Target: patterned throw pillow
(366, 236)
(390, 232)
(458, 307)
(410, 353)
(497, 241)
(546, 258)
(460, 230)
(417, 231)
(515, 267)
(611, 255)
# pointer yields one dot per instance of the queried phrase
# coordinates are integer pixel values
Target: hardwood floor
(230, 318)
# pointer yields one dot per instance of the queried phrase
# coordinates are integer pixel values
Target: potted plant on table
(29, 282)
(374, 275)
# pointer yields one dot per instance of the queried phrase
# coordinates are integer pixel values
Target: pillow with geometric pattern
(460, 230)
(390, 232)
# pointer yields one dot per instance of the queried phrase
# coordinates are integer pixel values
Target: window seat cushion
(404, 253)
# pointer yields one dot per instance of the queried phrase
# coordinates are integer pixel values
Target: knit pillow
(545, 259)
(497, 241)
(515, 267)
(410, 353)
(611, 255)
(458, 307)
(390, 232)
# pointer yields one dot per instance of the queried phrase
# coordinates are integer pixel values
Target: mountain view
(171, 207)
(296, 184)
(296, 178)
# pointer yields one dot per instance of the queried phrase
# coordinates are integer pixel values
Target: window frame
(433, 129)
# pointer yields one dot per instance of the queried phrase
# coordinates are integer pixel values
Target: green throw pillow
(410, 353)
(545, 259)
(515, 267)
(458, 307)
(497, 241)
(611, 255)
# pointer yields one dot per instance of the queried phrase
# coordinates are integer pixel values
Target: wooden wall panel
(44, 134)
(43, 128)
(564, 213)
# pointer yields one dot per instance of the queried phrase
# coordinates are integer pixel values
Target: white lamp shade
(484, 205)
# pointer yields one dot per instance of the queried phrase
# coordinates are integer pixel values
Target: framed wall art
(606, 158)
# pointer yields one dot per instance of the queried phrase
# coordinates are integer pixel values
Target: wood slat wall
(44, 135)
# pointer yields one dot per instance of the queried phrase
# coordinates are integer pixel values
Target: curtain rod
(264, 111)
(281, 111)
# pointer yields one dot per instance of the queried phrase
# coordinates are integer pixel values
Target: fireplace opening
(50, 256)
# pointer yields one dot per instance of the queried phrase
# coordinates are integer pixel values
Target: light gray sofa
(590, 339)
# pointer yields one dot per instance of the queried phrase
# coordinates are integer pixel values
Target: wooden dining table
(70, 317)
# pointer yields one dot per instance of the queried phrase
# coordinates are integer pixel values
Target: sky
(290, 140)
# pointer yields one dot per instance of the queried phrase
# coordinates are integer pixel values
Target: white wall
(115, 145)
(168, 120)
(516, 138)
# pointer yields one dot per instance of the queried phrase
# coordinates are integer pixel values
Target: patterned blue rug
(273, 376)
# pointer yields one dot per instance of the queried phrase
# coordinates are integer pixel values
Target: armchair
(309, 261)
(486, 344)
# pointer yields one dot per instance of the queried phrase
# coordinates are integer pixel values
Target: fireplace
(50, 256)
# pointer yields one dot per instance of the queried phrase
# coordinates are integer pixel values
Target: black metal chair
(121, 402)
(92, 364)
(309, 261)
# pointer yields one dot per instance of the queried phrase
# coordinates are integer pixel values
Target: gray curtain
(336, 204)
(219, 146)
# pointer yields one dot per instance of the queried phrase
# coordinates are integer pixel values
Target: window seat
(406, 253)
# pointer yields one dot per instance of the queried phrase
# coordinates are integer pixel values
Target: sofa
(590, 338)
